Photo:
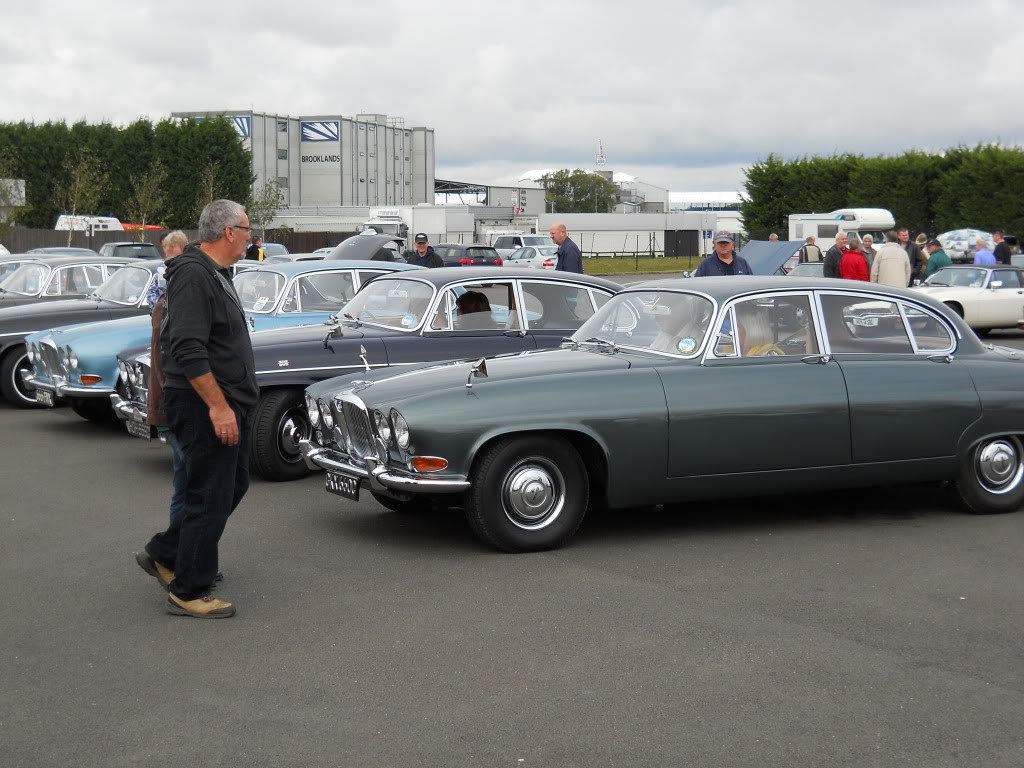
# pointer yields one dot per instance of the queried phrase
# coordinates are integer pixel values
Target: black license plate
(138, 429)
(342, 485)
(44, 398)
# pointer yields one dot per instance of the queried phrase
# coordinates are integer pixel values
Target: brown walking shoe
(164, 575)
(208, 607)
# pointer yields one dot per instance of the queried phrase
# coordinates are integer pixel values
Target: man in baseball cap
(424, 254)
(723, 261)
(937, 257)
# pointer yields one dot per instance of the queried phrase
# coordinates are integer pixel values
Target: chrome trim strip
(36, 383)
(376, 474)
(359, 367)
(75, 391)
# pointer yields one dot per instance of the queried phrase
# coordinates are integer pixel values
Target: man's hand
(225, 424)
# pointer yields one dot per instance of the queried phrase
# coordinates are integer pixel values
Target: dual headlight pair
(67, 355)
(133, 374)
(392, 431)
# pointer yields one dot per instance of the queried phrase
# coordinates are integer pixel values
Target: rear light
(88, 378)
(465, 261)
(429, 463)
(549, 264)
(498, 261)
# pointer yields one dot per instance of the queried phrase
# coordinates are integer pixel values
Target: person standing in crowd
(723, 261)
(255, 251)
(1002, 250)
(891, 265)
(853, 265)
(982, 255)
(569, 257)
(809, 252)
(209, 393)
(772, 238)
(913, 253)
(172, 244)
(424, 255)
(834, 256)
(868, 247)
(937, 258)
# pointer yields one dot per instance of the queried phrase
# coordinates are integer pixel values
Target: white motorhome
(85, 223)
(825, 226)
(405, 221)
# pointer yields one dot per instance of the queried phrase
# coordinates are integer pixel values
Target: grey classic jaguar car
(685, 390)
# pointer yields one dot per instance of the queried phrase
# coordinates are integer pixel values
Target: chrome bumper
(378, 476)
(62, 389)
(126, 410)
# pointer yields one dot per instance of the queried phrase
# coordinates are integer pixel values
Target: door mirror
(996, 284)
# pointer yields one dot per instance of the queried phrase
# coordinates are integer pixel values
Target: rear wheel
(991, 479)
(280, 421)
(93, 409)
(11, 385)
(528, 493)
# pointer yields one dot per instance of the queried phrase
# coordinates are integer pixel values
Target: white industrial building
(617, 234)
(333, 160)
(725, 206)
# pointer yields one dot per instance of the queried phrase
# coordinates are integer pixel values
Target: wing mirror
(995, 284)
(478, 371)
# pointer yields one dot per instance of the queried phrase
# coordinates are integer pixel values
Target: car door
(910, 398)
(1004, 298)
(765, 397)
(450, 334)
(554, 309)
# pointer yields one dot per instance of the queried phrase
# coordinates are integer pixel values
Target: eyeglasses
(239, 226)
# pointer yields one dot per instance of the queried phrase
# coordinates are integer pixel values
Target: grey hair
(177, 238)
(216, 216)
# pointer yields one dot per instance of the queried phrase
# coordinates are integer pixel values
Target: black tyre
(279, 422)
(13, 388)
(955, 307)
(97, 409)
(528, 493)
(414, 506)
(991, 479)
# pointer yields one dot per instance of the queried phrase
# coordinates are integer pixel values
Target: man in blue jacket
(569, 257)
(723, 261)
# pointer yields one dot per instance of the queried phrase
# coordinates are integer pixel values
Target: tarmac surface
(876, 628)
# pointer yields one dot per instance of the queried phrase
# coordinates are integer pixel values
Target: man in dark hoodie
(424, 254)
(209, 391)
(833, 256)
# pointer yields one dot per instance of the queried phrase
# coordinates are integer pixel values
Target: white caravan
(825, 226)
(84, 223)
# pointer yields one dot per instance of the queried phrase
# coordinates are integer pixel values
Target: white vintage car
(987, 296)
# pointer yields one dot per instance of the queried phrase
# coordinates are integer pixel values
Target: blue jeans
(179, 478)
(216, 479)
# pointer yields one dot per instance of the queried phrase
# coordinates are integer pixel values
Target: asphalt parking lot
(875, 628)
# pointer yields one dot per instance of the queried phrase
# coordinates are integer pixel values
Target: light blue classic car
(78, 363)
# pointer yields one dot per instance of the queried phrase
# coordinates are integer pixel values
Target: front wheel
(528, 493)
(991, 479)
(279, 422)
(12, 386)
(96, 409)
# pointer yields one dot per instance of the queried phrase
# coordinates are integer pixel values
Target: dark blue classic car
(686, 390)
(401, 319)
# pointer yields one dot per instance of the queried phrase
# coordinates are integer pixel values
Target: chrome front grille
(358, 422)
(49, 357)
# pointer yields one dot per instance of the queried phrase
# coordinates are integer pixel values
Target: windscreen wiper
(603, 343)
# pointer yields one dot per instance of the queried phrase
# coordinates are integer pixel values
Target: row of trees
(145, 173)
(962, 187)
(577, 191)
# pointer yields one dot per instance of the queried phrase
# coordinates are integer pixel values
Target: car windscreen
(536, 240)
(126, 286)
(28, 279)
(8, 268)
(547, 250)
(657, 321)
(274, 249)
(259, 290)
(391, 303)
(962, 277)
(135, 251)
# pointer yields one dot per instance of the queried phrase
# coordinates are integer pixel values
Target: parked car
(51, 279)
(79, 362)
(130, 250)
(534, 256)
(986, 296)
(468, 255)
(681, 391)
(397, 320)
(292, 257)
(10, 262)
(122, 295)
(369, 246)
(274, 249)
(60, 250)
(4, 251)
(506, 245)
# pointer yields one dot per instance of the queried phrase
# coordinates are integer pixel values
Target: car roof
(61, 260)
(441, 276)
(62, 249)
(464, 245)
(981, 266)
(129, 242)
(290, 268)
(724, 288)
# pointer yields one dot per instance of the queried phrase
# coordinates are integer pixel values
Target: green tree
(904, 185)
(983, 188)
(207, 189)
(264, 204)
(12, 202)
(578, 191)
(146, 202)
(84, 184)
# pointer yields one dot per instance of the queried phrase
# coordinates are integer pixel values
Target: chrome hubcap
(292, 430)
(998, 465)
(533, 494)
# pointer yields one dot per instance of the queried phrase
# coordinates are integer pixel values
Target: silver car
(535, 256)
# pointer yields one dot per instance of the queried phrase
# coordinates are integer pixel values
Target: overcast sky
(683, 94)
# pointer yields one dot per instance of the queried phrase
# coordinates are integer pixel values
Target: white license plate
(342, 485)
(138, 429)
(44, 398)
(868, 322)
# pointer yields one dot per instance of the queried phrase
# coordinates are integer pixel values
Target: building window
(282, 126)
(362, 181)
(407, 158)
(362, 127)
(282, 182)
(371, 154)
(282, 154)
(361, 154)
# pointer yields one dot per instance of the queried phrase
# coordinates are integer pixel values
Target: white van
(83, 223)
(825, 226)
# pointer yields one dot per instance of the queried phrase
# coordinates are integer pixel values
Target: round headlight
(380, 421)
(133, 376)
(122, 369)
(64, 357)
(326, 415)
(72, 358)
(401, 430)
(312, 411)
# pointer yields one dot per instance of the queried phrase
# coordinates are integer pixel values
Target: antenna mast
(600, 159)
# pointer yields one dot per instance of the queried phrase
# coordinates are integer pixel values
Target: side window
(442, 320)
(366, 276)
(485, 307)
(93, 277)
(600, 299)
(1008, 277)
(929, 334)
(771, 326)
(556, 305)
(112, 268)
(863, 324)
(53, 285)
(503, 242)
(827, 230)
(324, 292)
(291, 299)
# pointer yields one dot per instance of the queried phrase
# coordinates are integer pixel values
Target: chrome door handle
(816, 359)
(941, 358)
